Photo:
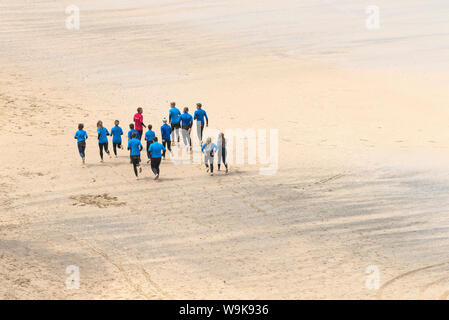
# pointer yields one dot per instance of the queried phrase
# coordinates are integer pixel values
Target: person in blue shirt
(186, 127)
(81, 137)
(165, 133)
(209, 149)
(116, 133)
(135, 146)
(103, 134)
(156, 150)
(221, 145)
(174, 118)
(131, 130)
(199, 116)
(149, 137)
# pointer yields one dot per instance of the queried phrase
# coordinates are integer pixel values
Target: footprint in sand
(98, 200)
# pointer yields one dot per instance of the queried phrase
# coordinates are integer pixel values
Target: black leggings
(105, 146)
(148, 147)
(115, 145)
(140, 134)
(136, 163)
(222, 155)
(166, 144)
(155, 163)
(82, 149)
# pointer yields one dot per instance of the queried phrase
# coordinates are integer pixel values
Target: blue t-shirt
(186, 119)
(199, 115)
(102, 135)
(116, 133)
(134, 146)
(156, 149)
(130, 133)
(208, 150)
(175, 115)
(81, 135)
(149, 135)
(165, 132)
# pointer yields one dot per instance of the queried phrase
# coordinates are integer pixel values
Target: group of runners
(155, 150)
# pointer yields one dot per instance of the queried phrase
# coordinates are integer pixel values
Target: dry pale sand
(362, 180)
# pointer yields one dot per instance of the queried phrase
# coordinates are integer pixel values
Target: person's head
(131, 126)
(133, 135)
(172, 104)
(80, 126)
(150, 127)
(164, 120)
(139, 110)
(186, 110)
(100, 124)
(221, 135)
(116, 122)
(208, 140)
(199, 105)
(155, 139)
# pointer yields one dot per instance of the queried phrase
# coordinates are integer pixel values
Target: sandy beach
(363, 159)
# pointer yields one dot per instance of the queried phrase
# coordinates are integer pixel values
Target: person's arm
(207, 119)
(202, 148)
(169, 117)
(195, 114)
(129, 147)
(76, 136)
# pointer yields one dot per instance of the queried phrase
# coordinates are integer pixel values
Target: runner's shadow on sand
(107, 164)
(161, 179)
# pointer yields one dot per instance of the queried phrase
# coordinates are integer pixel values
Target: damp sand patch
(97, 200)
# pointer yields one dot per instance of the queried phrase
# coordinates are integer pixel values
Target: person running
(116, 133)
(155, 153)
(199, 116)
(138, 121)
(221, 145)
(174, 118)
(149, 137)
(131, 130)
(186, 128)
(135, 146)
(209, 149)
(103, 134)
(81, 137)
(166, 133)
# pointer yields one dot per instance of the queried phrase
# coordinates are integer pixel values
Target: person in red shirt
(138, 122)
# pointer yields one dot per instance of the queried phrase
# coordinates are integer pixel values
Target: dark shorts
(175, 126)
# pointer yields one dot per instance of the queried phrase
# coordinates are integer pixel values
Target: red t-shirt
(138, 119)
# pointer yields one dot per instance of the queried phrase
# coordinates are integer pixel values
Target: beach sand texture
(362, 180)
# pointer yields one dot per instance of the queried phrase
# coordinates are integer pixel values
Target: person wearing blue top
(103, 134)
(81, 137)
(116, 133)
(156, 150)
(149, 137)
(221, 145)
(174, 118)
(199, 116)
(186, 127)
(135, 146)
(165, 133)
(131, 130)
(209, 149)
